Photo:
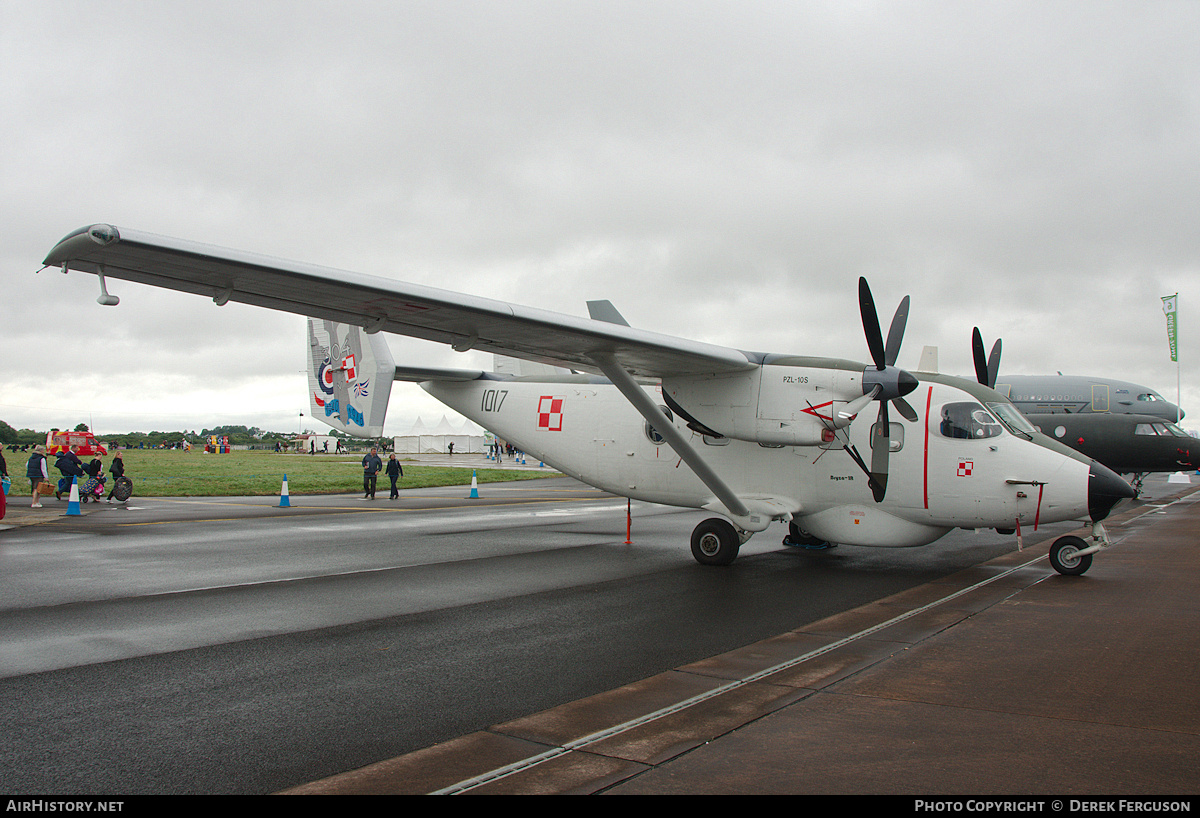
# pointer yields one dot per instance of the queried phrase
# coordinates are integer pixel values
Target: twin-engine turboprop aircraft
(752, 437)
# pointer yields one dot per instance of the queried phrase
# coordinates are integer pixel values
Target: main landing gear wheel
(1065, 557)
(797, 537)
(715, 542)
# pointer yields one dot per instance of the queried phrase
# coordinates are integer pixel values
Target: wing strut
(646, 407)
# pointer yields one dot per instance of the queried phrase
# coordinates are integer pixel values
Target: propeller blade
(870, 319)
(851, 409)
(880, 451)
(903, 407)
(986, 369)
(981, 367)
(896, 333)
(851, 450)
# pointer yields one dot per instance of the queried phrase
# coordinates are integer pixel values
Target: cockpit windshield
(1012, 419)
(1160, 428)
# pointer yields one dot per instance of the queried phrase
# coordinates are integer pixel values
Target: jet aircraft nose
(1105, 490)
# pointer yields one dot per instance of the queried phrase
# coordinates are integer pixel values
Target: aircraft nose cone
(1105, 490)
(1190, 455)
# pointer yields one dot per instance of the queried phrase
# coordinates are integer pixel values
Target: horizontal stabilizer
(419, 374)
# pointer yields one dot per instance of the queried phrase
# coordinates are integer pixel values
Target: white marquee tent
(469, 439)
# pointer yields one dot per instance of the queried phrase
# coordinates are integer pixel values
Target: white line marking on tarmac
(540, 758)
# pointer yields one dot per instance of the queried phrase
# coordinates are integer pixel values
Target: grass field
(166, 473)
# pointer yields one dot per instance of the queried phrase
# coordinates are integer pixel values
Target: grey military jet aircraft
(1079, 394)
(1125, 426)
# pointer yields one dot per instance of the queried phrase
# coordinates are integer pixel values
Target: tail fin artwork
(349, 382)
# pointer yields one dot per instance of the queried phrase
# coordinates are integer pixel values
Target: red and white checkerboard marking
(550, 413)
(965, 468)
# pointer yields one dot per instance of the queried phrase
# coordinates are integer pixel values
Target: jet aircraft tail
(349, 377)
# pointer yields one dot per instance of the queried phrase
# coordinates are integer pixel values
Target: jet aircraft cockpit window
(1148, 396)
(969, 421)
(1159, 429)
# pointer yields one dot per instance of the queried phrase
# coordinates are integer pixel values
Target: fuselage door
(1100, 397)
(964, 463)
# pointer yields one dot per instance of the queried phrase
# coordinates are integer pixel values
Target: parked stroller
(91, 489)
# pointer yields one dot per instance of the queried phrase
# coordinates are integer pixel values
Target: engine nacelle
(777, 404)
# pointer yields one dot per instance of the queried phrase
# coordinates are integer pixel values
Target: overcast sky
(720, 171)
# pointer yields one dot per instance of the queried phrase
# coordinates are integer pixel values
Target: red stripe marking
(928, 403)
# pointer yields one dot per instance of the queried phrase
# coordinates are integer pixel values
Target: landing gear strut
(715, 542)
(1072, 556)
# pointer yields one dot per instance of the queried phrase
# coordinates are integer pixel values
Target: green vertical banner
(1170, 305)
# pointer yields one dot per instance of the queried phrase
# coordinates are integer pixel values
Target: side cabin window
(968, 421)
(655, 437)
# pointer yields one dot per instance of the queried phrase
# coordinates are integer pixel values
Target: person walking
(35, 470)
(394, 472)
(372, 465)
(117, 467)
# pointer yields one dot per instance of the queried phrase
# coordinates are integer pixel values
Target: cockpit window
(1148, 396)
(969, 421)
(1012, 418)
(1159, 429)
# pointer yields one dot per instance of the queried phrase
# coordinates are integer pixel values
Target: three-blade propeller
(885, 383)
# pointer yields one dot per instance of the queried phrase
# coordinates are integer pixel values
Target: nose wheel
(1066, 559)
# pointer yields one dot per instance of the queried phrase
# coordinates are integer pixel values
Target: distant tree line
(238, 436)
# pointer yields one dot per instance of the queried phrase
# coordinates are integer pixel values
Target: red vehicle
(83, 444)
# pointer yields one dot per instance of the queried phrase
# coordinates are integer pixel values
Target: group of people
(372, 465)
(37, 470)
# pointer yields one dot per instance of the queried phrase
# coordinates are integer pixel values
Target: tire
(715, 542)
(799, 538)
(1065, 559)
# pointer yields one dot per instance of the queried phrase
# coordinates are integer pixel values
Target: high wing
(379, 304)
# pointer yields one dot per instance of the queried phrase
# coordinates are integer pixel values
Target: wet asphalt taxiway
(516, 643)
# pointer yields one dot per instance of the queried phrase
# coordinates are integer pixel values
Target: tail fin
(349, 382)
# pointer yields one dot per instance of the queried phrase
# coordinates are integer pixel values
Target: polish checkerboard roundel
(550, 413)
